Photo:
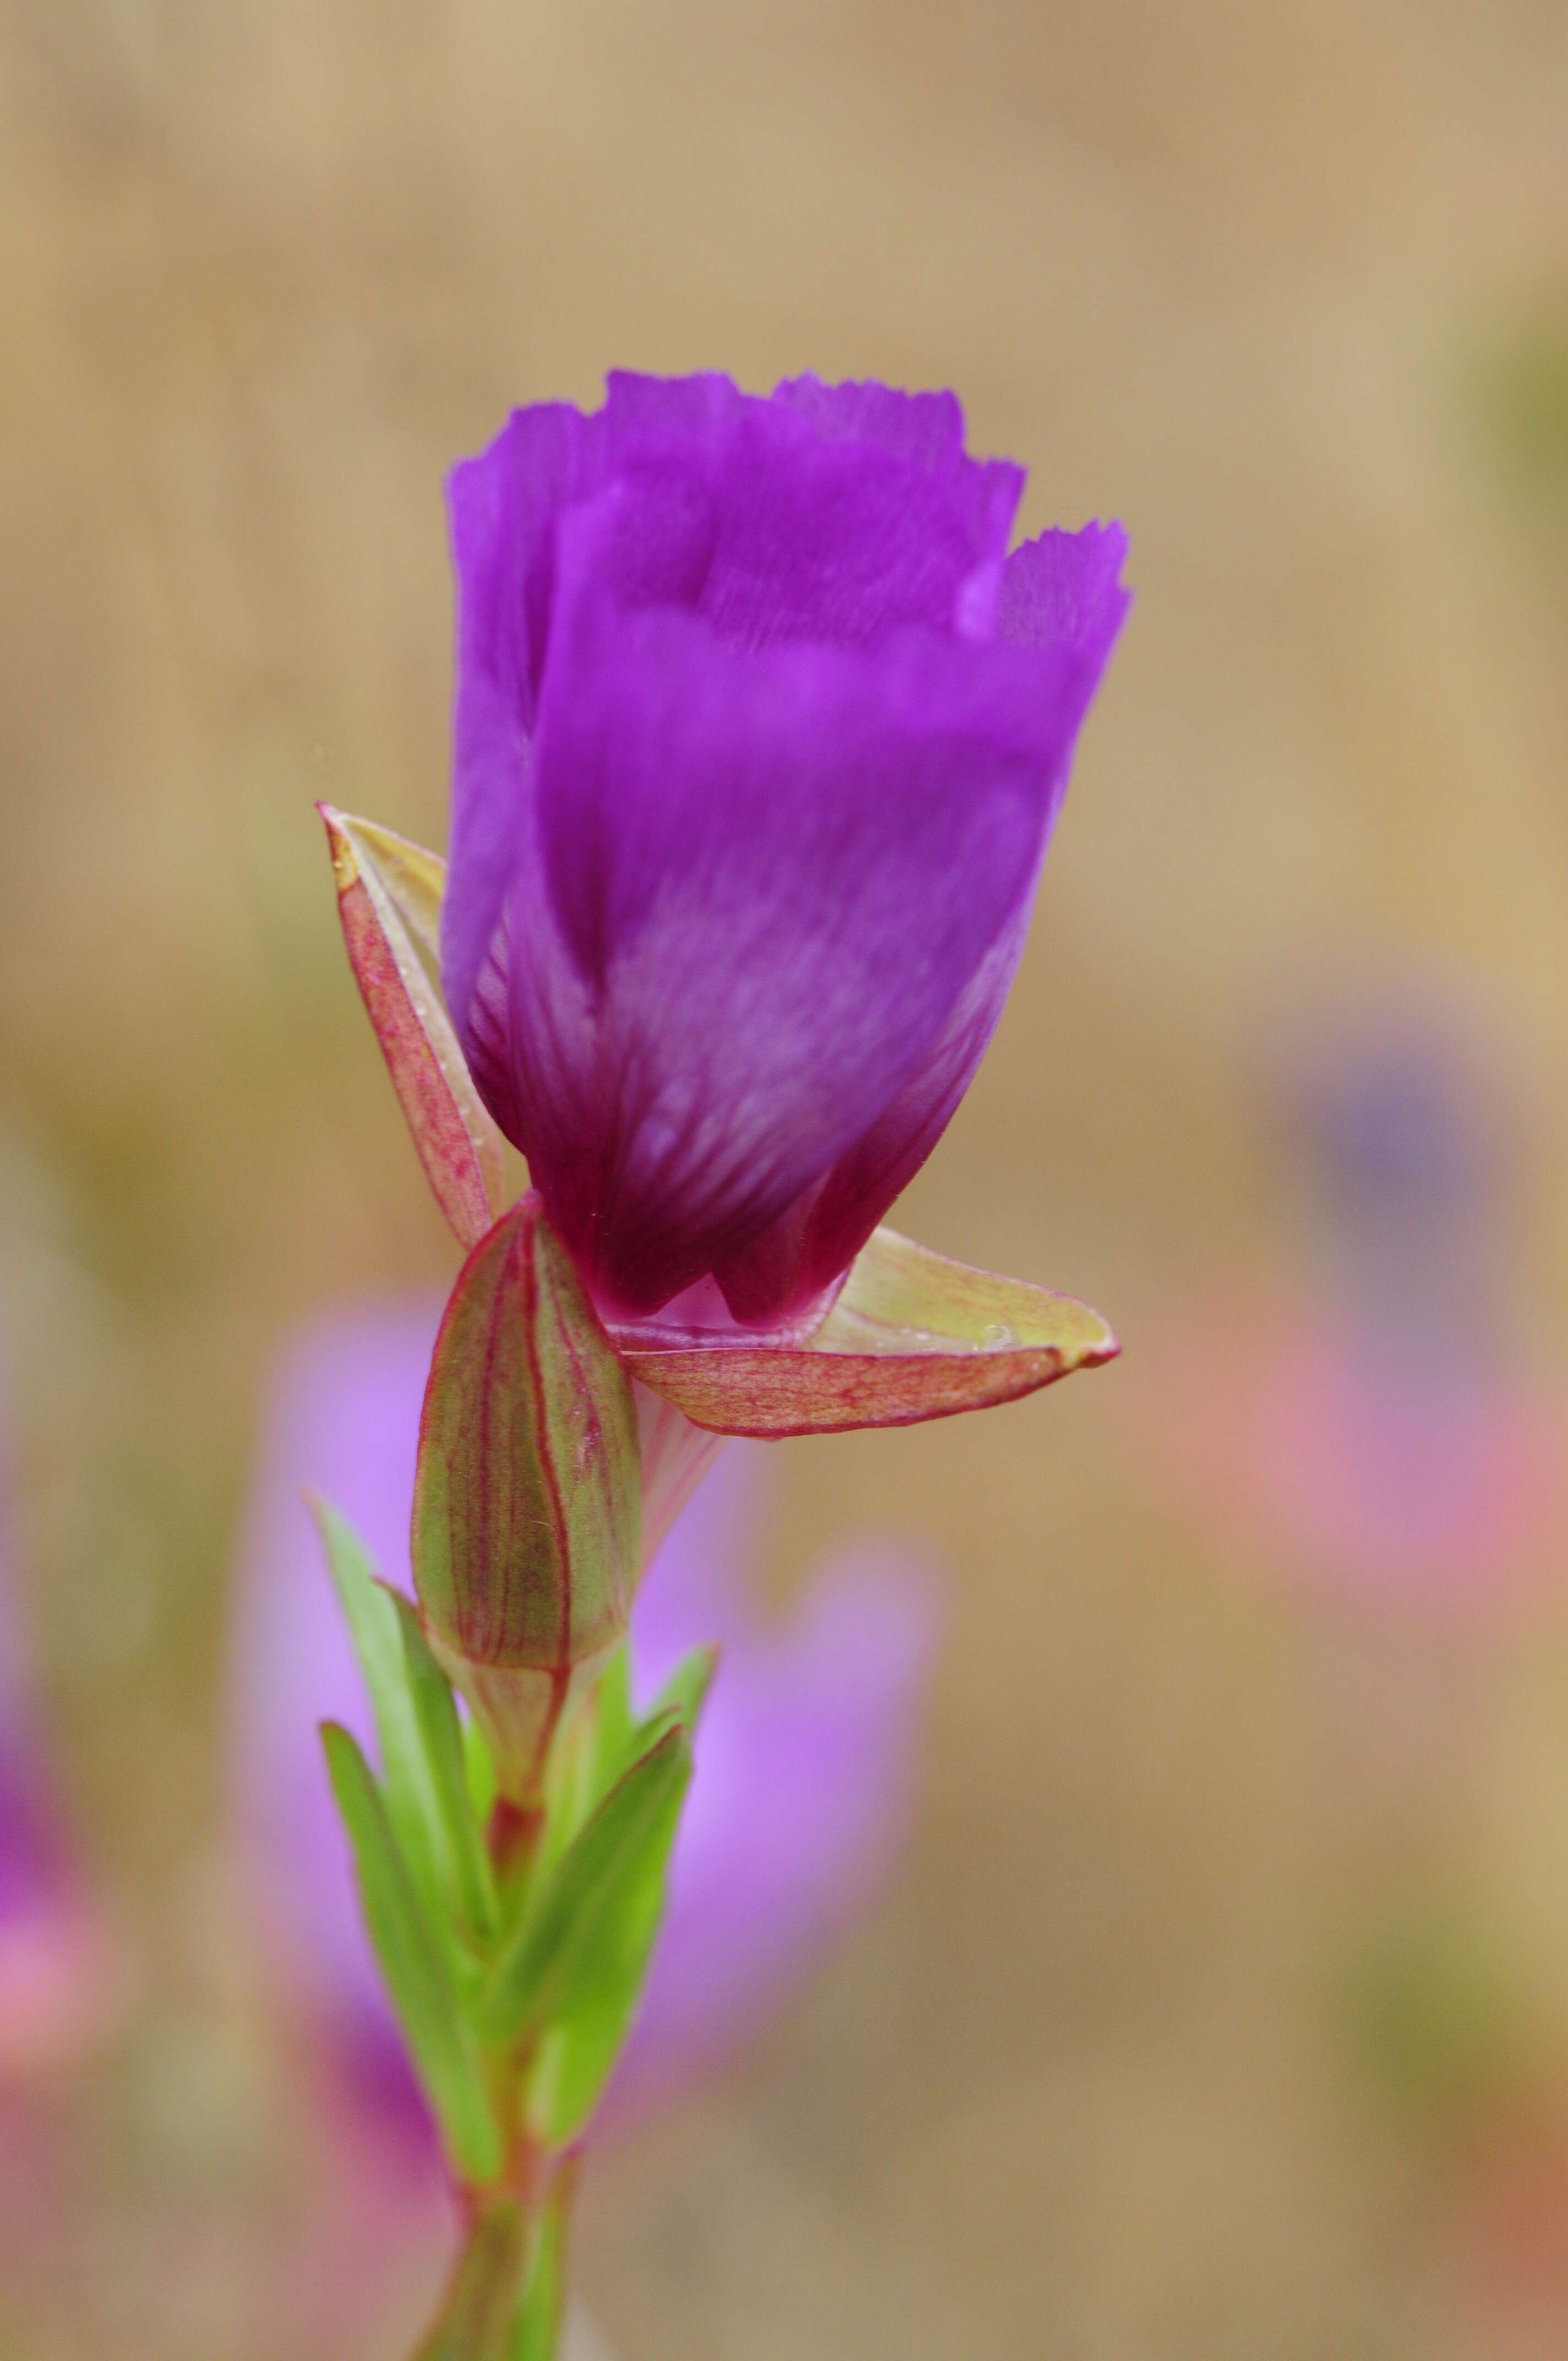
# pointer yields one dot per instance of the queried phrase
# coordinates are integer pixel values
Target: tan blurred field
(1231, 273)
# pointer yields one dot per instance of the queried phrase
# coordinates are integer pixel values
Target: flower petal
(757, 889)
(789, 1266)
(500, 505)
(845, 514)
(1065, 588)
(926, 429)
(1060, 591)
(816, 528)
(818, 540)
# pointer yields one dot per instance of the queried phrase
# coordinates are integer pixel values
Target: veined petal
(758, 888)
(1065, 587)
(924, 430)
(823, 512)
(1060, 591)
(500, 503)
(826, 513)
(927, 430)
(787, 1267)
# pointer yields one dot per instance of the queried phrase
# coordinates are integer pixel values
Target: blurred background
(1220, 2005)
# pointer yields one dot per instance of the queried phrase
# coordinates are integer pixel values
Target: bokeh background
(1220, 2007)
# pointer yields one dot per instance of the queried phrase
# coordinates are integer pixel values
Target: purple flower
(803, 1758)
(60, 1975)
(759, 737)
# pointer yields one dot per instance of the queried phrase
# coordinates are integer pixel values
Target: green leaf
(376, 1629)
(606, 1737)
(417, 1731)
(417, 1972)
(570, 1942)
(686, 1691)
(614, 1725)
(578, 2050)
(478, 1772)
(591, 1748)
(466, 1865)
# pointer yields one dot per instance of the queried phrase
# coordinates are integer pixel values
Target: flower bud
(526, 1495)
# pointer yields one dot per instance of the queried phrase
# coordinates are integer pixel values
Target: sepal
(911, 1335)
(389, 900)
(527, 1493)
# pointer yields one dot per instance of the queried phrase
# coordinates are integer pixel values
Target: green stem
(544, 2306)
(507, 2297)
(481, 2307)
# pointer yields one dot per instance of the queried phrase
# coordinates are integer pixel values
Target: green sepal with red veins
(527, 1512)
(911, 1335)
(389, 900)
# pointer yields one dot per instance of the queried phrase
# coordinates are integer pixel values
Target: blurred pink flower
(1358, 1476)
(60, 1976)
(1379, 1438)
(57, 1975)
(803, 1762)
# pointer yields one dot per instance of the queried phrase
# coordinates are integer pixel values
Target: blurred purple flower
(760, 736)
(60, 1975)
(1381, 1438)
(802, 1760)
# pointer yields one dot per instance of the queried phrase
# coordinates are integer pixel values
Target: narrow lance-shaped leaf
(415, 1970)
(384, 885)
(478, 1772)
(370, 1611)
(578, 2050)
(559, 1954)
(685, 1692)
(587, 1756)
(527, 1493)
(910, 1336)
(470, 1883)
